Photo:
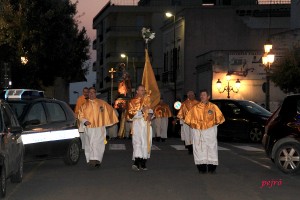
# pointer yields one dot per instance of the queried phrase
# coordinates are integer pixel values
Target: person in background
(96, 115)
(162, 113)
(112, 131)
(80, 101)
(185, 129)
(203, 119)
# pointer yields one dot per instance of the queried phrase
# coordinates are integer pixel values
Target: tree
(286, 72)
(46, 32)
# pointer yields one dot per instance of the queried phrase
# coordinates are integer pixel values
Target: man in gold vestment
(186, 134)
(140, 112)
(80, 101)
(162, 113)
(204, 118)
(96, 114)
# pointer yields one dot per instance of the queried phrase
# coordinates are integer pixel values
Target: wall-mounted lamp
(267, 60)
(229, 88)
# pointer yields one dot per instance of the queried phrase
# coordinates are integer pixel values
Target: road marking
(248, 148)
(222, 149)
(254, 161)
(182, 148)
(117, 147)
(154, 147)
(179, 147)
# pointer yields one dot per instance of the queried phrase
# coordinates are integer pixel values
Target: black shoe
(211, 168)
(163, 139)
(202, 168)
(143, 164)
(157, 139)
(135, 168)
(97, 165)
(190, 149)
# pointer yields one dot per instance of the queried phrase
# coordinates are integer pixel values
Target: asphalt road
(243, 173)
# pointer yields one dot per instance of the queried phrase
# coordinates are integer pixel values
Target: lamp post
(267, 60)
(24, 60)
(169, 14)
(123, 55)
(111, 71)
(229, 88)
(6, 81)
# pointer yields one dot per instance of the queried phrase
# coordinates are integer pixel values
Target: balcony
(124, 31)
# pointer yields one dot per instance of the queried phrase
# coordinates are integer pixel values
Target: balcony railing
(124, 28)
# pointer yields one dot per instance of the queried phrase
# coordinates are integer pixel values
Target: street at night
(244, 172)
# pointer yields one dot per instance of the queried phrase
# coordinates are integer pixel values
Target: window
(56, 112)
(254, 108)
(18, 108)
(9, 119)
(37, 112)
(232, 109)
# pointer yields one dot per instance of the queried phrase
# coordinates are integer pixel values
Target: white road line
(248, 148)
(117, 147)
(154, 147)
(182, 148)
(179, 147)
(222, 149)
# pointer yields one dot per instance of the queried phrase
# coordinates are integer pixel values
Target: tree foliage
(286, 72)
(46, 32)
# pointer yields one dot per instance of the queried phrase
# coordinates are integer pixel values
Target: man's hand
(149, 117)
(145, 109)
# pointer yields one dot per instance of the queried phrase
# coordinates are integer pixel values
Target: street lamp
(24, 60)
(168, 15)
(229, 88)
(267, 60)
(111, 71)
(123, 55)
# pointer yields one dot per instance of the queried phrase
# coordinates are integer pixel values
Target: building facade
(209, 41)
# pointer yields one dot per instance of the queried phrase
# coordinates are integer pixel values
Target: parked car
(282, 135)
(20, 93)
(244, 120)
(49, 129)
(11, 148)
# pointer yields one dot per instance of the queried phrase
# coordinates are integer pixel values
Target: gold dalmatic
(185, 107)
(162, 110)
(203, 116)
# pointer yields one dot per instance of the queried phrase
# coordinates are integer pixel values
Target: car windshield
(17, 107)
(254, 108)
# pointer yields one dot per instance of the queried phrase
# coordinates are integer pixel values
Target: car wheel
(287, 158)
(73, 153)
(3, 181)
(18, 176)
(255, 134)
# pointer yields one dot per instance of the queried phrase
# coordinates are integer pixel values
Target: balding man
(186, 133)
(96, 115)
